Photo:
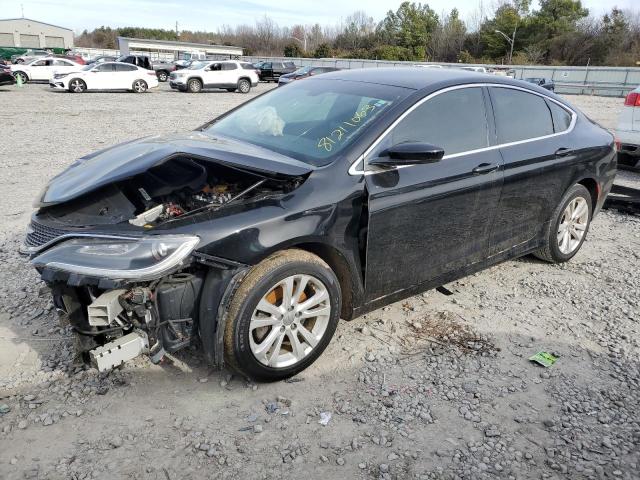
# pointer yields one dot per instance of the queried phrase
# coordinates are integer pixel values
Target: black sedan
(6, 76)
(304, 72)
(323, 200)
(545, 83)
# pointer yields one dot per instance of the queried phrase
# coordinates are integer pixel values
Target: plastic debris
(325, 418)
(544, 358)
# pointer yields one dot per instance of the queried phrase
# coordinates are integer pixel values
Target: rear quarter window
(520, 115)
(561, 117)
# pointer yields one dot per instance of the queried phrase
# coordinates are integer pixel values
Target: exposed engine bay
(177, 188)
(117, 320)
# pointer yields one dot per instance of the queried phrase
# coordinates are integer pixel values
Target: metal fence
(605, 81)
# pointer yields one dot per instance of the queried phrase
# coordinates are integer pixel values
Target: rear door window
(520, 115)
(119, 67)
(229, 66)
(454, 120)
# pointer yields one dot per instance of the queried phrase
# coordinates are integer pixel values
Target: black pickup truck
(271, 71)
(162, 69)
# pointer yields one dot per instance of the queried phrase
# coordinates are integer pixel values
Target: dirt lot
(438, 386)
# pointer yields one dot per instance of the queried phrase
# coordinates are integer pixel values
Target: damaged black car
(253, 235)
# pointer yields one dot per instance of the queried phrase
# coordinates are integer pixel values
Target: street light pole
(511, 41)
(304, 44)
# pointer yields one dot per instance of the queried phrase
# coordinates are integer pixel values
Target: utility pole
(22, 8)
(177, 35)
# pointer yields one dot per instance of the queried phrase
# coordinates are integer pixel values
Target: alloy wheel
(139, 86)
(573, 225)
(244, 86)
(77, 86)
(289, 321)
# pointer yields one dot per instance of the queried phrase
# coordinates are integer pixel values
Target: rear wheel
(140, 86)
(568, 227)
(282, 316)
(162, 76)
(244, 86)
(21, 77)
(77, 86)
(194, 85)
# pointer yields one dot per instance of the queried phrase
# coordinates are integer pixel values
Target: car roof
(414, 77)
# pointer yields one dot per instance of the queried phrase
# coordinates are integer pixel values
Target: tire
(139, 86)
(162, 75)
(244, 85)
(267, 352)
(77, 85)
(24, 78)
(194, 85)
(561, 247)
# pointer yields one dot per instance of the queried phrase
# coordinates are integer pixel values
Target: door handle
(563, 152)
(484, 168)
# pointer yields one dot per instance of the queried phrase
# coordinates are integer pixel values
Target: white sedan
(628, 132)
(40, 69)
(106, 76)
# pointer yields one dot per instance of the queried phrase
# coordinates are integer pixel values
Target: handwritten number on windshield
(338, 133)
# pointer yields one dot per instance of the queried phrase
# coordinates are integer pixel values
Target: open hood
(131, 158)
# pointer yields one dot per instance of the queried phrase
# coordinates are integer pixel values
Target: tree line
(558, 32)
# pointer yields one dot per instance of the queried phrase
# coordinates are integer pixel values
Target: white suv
(628, 132)
(228, 74)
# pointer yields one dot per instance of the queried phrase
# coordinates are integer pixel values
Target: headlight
(136, 259)
(60, 75)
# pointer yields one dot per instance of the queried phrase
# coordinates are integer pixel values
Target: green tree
(410, 27)
(323, 51)
(292, 50)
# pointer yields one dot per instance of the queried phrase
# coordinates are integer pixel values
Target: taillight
(617, 143)
(632, 100)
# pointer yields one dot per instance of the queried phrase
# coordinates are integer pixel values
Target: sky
(209, 15)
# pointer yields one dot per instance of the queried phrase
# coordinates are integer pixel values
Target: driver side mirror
(410, 153)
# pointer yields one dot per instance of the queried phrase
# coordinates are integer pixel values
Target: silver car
(628, 132)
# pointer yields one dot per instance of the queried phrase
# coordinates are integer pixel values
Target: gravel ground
(437, 386)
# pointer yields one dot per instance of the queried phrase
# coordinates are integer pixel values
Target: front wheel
(282, 316)
(140, 86)
(21, 77)
(77, 86)
(194, 85)
(568, 227)
(244, 86)
(162, 76)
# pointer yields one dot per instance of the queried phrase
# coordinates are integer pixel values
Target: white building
(27, 33)
(175, 49)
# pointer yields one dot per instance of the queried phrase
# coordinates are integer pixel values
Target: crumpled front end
(126, 260)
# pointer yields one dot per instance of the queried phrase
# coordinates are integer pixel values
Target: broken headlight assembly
(138, 259)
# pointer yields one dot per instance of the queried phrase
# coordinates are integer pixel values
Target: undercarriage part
(105, 309)
(177, 299)
(624, 199)
(123, 349)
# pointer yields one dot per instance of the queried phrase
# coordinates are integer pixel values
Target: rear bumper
(629, 141)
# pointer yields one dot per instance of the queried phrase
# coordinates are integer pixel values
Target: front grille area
(38, 234)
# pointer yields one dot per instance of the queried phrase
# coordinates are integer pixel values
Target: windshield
(311, 121)
(197, 65)
(302, 71)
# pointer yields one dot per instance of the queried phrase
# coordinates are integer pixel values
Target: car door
(231, 74)
(41, 70)
(427, 221)
(101, 77)
(212, 74)
(538, 163)
(266, 71)
(125, 75)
